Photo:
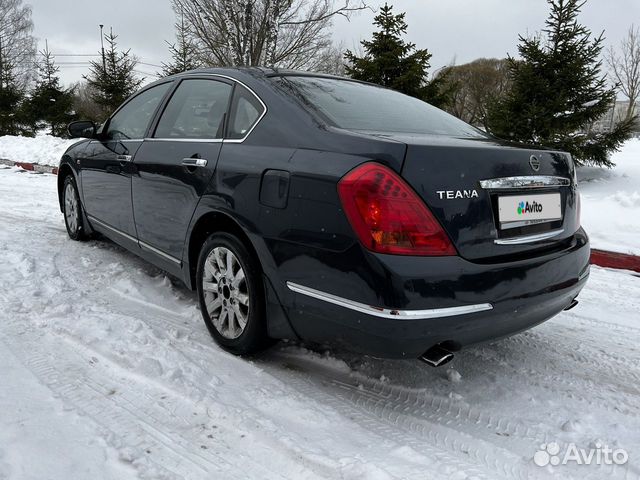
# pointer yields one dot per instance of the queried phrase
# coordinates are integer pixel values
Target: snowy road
(107, 371)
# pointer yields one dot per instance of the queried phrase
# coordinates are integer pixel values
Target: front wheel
(231, 295)
(72, 209)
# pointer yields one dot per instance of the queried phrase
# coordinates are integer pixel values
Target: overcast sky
(460, 30)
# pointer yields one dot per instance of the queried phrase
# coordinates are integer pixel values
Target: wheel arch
(208, 223)
(63, 172)
(278, 324)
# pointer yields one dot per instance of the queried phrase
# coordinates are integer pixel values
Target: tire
(72, 209)
(232, 304)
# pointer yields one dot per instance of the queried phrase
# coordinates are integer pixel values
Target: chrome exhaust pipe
(573, 303)
(436, 356)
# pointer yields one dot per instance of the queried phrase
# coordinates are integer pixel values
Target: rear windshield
(358, 106)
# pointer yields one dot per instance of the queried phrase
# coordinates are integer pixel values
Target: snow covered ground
(610, 201)
(609, 197)
(107, 372)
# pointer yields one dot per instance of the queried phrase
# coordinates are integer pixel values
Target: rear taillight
(388, 216)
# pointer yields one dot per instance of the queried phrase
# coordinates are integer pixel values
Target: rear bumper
(401, 306)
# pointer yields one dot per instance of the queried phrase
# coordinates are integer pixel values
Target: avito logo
(526, 207)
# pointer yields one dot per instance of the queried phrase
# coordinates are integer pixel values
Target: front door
(175, 165)
(107, 164)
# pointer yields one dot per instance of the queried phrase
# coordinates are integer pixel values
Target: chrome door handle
(124, 158)
(194, 162)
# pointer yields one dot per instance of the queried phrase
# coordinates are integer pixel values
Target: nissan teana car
(330, 211)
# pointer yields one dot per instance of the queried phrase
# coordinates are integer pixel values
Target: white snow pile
(43, 149)
(610, 199)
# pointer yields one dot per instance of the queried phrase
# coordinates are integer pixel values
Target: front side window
(196, 110)
(132, 120)
(246, 110)
(359, 106)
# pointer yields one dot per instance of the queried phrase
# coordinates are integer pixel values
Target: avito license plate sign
(529, 208)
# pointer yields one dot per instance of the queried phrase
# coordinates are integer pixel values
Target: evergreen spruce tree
(50, 105)
(114, 81)
(184, 53)
(11, 97)
(17, 49)
(558, 91)
(391, 62)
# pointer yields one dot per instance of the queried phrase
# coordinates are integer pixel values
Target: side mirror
(82, 129)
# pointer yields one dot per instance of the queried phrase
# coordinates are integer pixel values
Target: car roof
(261, 73)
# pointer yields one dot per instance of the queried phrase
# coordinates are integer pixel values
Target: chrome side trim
(189, 140)
(385, 312)
(111, 229)
(142, 245)
(527, 181)
(529, 238)
(146, 246)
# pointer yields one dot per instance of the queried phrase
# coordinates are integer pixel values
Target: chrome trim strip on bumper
(585, 273)
(144, 246)
(527, 181)
(529, 238)
(385, 312)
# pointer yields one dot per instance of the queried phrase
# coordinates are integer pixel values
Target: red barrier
(621, 261)
(26, 166)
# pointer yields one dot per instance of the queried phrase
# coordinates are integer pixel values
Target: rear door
(175, 165)
(106, 165)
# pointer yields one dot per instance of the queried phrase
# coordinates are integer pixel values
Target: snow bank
(43, 149)
(610, 199)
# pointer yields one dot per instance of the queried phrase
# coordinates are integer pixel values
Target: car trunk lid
(475, 187)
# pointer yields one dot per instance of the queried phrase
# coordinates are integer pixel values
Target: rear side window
(132, 120)
(196, 110)
(246, 110)
(358, 106)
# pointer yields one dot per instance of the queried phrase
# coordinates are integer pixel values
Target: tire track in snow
(592, 361)
(509, 452)
(167, 452)
(449, 412)
(543, 375)
(380, 426)
(404, 429)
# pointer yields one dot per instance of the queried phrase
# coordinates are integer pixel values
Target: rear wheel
(231, 295)
(72, 209)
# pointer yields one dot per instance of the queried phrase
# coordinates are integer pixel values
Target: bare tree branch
(280, 33)
(625, 68)
(17, 45)
(345, 11)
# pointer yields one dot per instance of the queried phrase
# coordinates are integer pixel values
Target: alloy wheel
(71, 207)
(226, 292)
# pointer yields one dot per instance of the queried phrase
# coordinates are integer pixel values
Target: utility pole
(47, 60)
(104, 62)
